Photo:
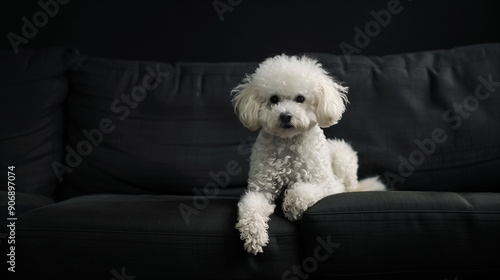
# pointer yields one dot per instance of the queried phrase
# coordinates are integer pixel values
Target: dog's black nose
(285, 117)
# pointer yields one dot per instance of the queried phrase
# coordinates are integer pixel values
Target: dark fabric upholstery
(404, 232)
(150, 238)
(178, 137)
(424, 121)
(21, 203)
(33, 89)
(158, 160)
(24, 202)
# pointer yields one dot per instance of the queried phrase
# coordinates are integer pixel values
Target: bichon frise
(291, 98)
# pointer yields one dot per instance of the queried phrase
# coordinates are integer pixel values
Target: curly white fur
(290, 98)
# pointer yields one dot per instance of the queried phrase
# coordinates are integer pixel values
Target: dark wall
(245, 30)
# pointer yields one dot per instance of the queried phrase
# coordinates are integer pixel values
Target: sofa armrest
(403, 232)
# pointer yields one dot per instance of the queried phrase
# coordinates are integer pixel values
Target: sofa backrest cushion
(33, 89)
(148, 127)
(421, 121)
(424, 121)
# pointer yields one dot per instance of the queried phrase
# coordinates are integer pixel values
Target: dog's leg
(254, 210)
(345, 167)
(344, 163)
(299, 197)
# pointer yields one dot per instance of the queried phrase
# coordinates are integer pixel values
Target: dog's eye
(300, 99)
(274, 99)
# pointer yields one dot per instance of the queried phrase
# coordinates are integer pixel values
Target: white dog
(290, 98)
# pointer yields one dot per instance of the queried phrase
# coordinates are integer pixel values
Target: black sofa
(129, 169)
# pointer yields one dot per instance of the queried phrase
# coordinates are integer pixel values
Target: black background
(173, 31)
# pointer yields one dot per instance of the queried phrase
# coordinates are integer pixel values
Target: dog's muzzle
(286, 120)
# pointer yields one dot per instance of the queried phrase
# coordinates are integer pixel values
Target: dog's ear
(246, 104)
(331, 101)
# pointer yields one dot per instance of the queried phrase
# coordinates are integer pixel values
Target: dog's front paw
(254, 210)
(294, 208)
(254, 233)
(254, 245)
(298, 199)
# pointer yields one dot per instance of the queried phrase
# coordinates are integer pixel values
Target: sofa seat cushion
(404, 232)
(149, 237)
(24, 202)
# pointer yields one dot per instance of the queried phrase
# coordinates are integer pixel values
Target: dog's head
(288, 95)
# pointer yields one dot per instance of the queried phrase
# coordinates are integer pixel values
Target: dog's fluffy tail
(369, 184)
